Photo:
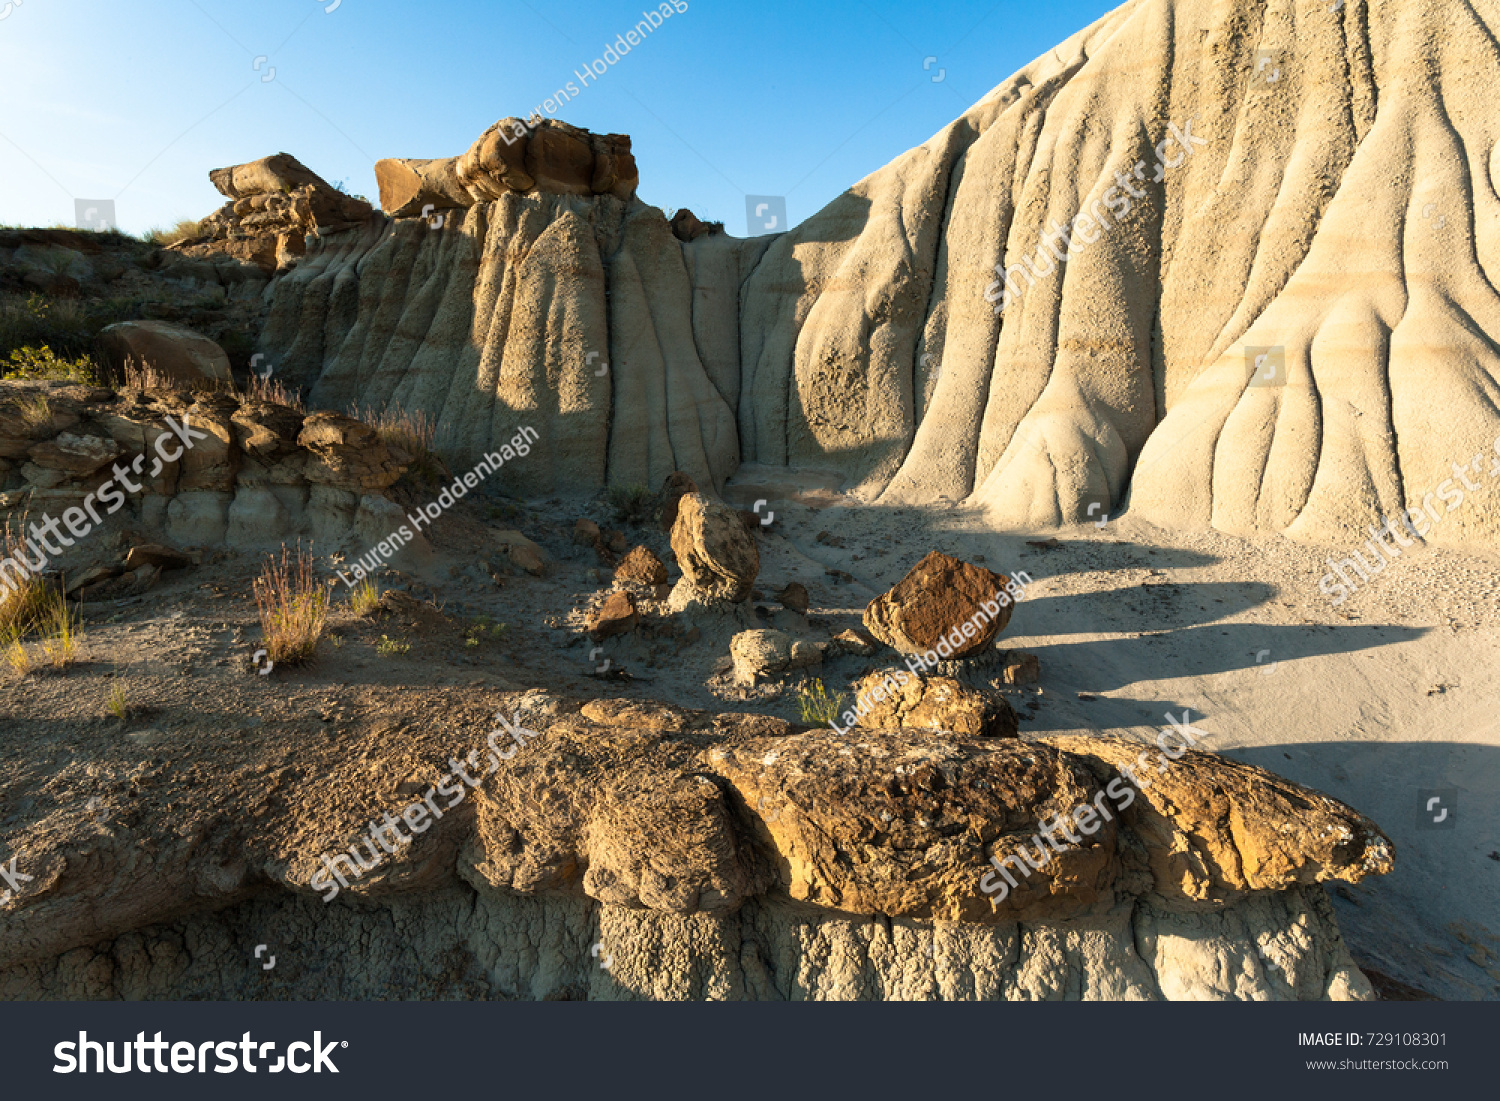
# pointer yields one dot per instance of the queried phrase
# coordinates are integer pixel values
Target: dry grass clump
(23, 597)
(143, 376)
(47, 615)
(275, 392)
(412, 431)
(293, 604)
(185, 230)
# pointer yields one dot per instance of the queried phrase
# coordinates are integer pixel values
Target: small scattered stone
(616, 616)
(794, 596)
(642, 565)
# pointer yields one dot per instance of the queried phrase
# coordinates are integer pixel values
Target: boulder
(1021, 668)
(898, 699)
(643, 566)
(154, 554)
(349, 454)
(943, 604)
(176, 353)
(794, 596)
(616, 616)
(686, 226)
(762, 654)
(716, 555)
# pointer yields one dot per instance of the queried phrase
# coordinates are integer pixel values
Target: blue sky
(136, 101)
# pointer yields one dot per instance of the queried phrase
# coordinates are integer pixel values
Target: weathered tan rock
(853, 642)
(74, 454)
(178, 353)
(762, 654)
(942, 604)
(616, 616)
(642, 565)
(894, 699)
(686, 226)
(713, 550)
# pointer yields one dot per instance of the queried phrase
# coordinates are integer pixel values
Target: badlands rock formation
(1180, 191)
(708, 855)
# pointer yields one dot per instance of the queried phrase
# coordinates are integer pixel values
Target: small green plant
(388, 646)
(338, 641)
(293, 604)
(632, 503)
(364, 598)
(119, 705)
(30, 363)
(816, 704)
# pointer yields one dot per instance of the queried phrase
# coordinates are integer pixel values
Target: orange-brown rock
(616, 616)
(943, 604)
(642, 565)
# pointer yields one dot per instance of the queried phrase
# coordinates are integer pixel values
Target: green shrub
(43, 364)
(817, 705)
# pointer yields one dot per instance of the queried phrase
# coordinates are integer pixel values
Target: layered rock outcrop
(260, 473)
(274, 204)
(717, 856)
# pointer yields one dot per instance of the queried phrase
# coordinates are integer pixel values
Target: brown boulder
(687, 227)
(897, 699)
(942, 605)
(643, 566)
(179, 354)
(713, 550)
(794, 596)
(616, 616)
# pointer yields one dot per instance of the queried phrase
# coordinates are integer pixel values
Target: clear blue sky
(135, 100)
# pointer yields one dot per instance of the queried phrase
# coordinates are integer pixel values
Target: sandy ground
(1374, 702)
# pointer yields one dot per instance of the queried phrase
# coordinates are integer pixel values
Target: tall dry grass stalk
(142, 376)
(293, 604)
(275, 392)
(413, 431)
